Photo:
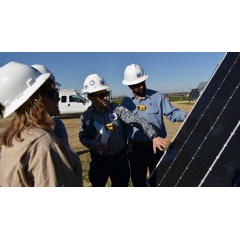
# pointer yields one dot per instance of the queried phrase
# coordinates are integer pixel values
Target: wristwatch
(155, 135)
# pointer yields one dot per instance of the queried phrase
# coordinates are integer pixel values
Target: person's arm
(172, 113)
(83, 134)
(128, 117)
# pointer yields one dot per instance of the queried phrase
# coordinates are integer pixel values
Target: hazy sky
(168, 71)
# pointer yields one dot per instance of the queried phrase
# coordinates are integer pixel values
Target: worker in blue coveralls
(108, 154)
(151, 105)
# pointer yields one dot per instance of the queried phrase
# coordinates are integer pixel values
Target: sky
(169, 72)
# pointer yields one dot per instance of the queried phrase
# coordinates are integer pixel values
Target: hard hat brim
(44, 69)
(95, 90)
(57, 84)
(26, 94)
(134, 82)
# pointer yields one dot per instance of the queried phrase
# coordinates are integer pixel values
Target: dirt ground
(72, 126)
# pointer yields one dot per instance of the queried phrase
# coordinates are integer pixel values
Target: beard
(140, 92)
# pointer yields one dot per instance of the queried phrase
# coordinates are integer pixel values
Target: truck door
(63, 104)
(76, 104)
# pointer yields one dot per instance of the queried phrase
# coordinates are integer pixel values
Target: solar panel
(201, 86)
(193, 94)
(206, 150)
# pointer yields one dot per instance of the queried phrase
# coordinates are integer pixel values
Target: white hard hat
(17, 83)
(134, 74)
(94, 83)
(44, 69)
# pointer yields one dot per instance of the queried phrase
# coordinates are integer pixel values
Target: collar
(146, 95)
(92, 109)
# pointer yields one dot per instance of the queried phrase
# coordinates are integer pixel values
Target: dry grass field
(72, 126)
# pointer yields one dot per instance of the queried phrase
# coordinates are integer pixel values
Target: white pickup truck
(71, 102)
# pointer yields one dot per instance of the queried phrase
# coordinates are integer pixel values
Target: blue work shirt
(156, 105)
(60, 130)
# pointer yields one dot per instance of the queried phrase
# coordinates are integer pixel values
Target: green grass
(188, 103)
(171, 99)
(177, 98)
(116, 101)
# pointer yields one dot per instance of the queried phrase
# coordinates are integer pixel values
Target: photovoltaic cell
(206, 150)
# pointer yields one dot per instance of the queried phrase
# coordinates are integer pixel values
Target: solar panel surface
(206, 150)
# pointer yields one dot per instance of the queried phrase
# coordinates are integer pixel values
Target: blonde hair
(31, 114)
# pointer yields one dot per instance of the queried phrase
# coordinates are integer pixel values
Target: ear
(130, 86)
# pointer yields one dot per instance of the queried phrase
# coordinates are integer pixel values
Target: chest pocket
(152, 114)
(93, 128)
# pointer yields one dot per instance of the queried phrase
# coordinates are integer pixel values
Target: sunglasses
(52, 94)
(101, 96)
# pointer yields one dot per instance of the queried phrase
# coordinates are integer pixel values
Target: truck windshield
(82, 98)
(76, 98)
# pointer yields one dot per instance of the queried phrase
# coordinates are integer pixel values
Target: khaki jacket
(41, 160)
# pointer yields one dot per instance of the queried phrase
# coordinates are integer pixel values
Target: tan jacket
(40, 160)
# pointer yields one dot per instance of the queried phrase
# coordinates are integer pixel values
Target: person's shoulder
(35, 132)
(154, 93)
(45, 144)
(44, 138)
(57, 120)
(35, 135)
(126, 100)
(87, 111)
(113, 106)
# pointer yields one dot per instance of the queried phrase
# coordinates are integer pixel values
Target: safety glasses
(102, 95)
(52, 94)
